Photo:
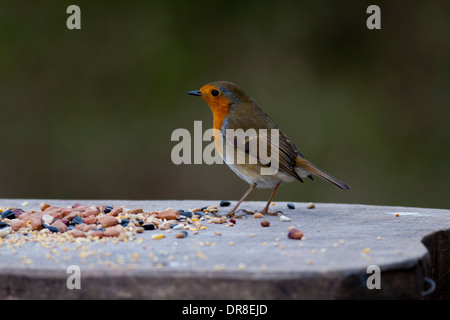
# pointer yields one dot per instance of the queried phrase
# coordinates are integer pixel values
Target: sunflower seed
(224, 203)
(8, 214)
(149, 226)
(3, 225)
(51, 228)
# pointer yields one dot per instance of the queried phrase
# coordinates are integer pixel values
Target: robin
(233, 109)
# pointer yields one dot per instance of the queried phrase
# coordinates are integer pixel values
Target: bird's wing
(260, 147)
(262, 125)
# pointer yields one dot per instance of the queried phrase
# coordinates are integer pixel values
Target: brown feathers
(309, 167)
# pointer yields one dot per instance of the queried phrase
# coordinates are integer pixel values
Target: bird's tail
(305, 165)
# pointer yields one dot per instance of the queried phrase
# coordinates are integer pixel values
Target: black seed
(149, 226)
(200, 214)
(77, 220)
(291, 205)
(3, 225)
(186, 214)
(51, 228)
(8, 214)
(124, 222)
(203, 208)
(180, 211)
(107, 209)
(140, 222)
(224, 203)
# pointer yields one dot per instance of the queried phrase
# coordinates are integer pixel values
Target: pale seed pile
(117, 223)
(91, 221)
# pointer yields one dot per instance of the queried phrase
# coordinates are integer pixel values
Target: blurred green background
(89, 113)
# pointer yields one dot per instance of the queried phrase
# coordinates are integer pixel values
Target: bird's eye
(215, 93)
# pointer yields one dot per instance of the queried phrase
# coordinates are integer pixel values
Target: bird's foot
(271, 213)
(232, 214)
(263, 212)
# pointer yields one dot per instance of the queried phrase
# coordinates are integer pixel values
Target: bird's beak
(195, 93)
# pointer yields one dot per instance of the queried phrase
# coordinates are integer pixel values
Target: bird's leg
(233, 211)
(266, 208)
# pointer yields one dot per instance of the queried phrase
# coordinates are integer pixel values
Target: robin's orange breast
(220, 107)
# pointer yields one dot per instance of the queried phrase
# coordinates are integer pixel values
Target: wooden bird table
(348, 251)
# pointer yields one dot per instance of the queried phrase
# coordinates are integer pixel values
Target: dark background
(89, 113)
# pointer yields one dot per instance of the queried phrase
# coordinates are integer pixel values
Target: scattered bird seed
(124, 222)
(212, 209)
(107, 209)
(310, 205)
(258, 215)
(44, 206)
(187, 214)
(177, 226)
(200, 214)
(51, 228)
(224, 203)
(182, 234)
(3, 225)
(4, 232)
(291, 205)
(295, 234)
(283, 218)
(47, 219)
(86, 223)
(77, 220)
(8, 214)
(149, 226)
(265, 223)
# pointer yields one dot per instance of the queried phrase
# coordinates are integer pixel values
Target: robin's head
(221, 94)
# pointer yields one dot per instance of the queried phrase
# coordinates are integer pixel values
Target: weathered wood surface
(246, 261)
